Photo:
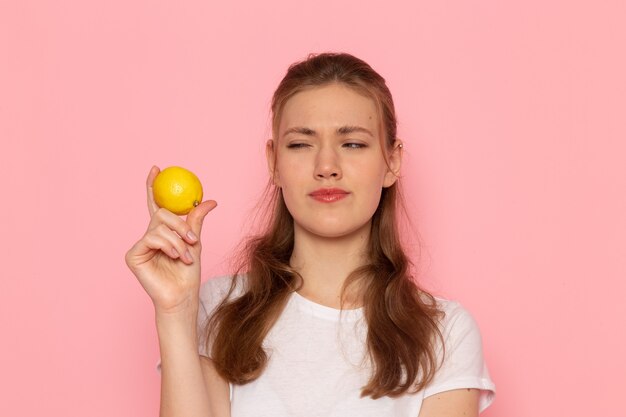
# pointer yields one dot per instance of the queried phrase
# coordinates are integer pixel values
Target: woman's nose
(327, 164)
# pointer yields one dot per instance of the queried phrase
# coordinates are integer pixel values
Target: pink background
(513, 118)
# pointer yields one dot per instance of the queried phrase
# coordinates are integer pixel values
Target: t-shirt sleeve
(212, 292)
(464, 365)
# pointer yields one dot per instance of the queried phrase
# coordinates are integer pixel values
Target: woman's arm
(218, 389)
(188, 387)
(453, 403)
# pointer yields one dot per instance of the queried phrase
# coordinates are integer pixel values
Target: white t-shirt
(317, 363)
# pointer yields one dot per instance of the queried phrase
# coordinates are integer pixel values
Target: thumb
(196, 216)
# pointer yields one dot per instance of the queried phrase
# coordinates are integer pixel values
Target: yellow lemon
(177, 190)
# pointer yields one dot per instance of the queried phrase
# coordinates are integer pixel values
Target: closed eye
(296, 145)
(349, 145)
(358, 145)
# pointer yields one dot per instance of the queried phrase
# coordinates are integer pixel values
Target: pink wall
(513, 119)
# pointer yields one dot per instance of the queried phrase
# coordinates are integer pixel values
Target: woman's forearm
(183, 391)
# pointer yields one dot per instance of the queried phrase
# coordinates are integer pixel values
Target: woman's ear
(395, 162)
(271, 158)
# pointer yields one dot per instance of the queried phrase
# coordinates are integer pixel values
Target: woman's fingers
(175, 223)
(197, 214)
(165, 240)
(188, 230)
(152, 205)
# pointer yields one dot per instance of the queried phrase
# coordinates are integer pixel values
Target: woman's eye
(357, 145)
(296, 145)
(351, 145)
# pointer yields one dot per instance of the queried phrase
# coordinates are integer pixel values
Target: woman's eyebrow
(346, 130)
(343, 130)
(301, 130)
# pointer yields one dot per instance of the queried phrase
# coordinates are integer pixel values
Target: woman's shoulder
(458, 324)
(463, 363)
(453, 311)
(447, 304)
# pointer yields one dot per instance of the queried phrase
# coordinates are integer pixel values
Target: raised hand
(166, 260)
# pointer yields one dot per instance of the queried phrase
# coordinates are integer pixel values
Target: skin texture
(331, 159)
(454, 403)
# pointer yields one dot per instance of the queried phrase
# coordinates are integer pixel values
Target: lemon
(177, 190)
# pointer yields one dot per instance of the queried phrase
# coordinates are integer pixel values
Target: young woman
(321, 316)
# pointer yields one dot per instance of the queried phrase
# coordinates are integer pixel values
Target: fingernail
(188, 256)
(191, 235)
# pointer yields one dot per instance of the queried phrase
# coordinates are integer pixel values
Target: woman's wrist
(180, 310)
(183, 320)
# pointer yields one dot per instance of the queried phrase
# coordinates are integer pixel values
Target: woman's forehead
(328, 108)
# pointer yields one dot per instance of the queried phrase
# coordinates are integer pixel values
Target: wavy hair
(402, 319)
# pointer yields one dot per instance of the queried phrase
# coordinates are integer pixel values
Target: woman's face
(317, 147)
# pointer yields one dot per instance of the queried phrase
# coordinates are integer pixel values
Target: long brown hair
(402, 319)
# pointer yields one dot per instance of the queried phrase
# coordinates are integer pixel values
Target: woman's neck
(324, 264)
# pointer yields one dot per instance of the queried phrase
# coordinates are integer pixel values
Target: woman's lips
(329, 195)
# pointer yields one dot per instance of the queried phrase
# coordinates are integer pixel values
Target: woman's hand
(166, 260)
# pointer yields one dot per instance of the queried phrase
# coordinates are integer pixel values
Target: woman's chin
(333, 229)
